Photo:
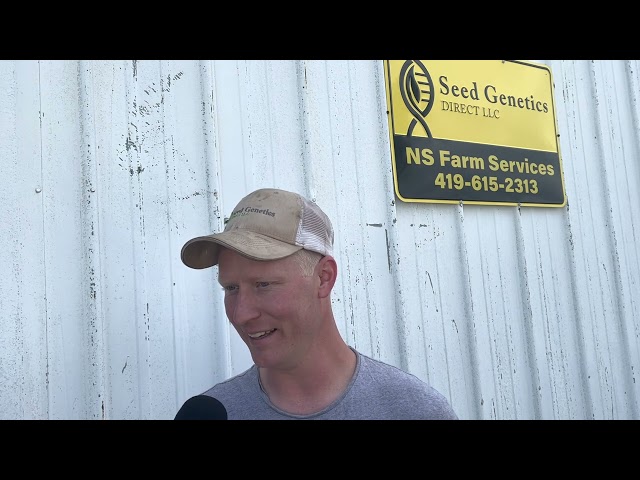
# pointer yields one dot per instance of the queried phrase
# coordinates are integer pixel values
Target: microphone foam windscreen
(202, 407)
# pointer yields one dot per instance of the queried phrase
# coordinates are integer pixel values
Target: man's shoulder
(386, 369)
(386, 376)
(404, 388)
(238, 383)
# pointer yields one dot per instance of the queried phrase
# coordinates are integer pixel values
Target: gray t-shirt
(377, 391)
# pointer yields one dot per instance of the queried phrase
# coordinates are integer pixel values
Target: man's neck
(311, 387)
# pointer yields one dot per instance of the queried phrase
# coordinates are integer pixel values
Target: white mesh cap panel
(315, 232)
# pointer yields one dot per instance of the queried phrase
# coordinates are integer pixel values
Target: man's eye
(263, 284)
(229, 288)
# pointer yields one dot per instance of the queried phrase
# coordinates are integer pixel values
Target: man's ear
(327, 271)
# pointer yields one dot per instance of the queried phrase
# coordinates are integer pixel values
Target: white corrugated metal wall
(108, 167)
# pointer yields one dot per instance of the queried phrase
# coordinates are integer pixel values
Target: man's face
(272, 305)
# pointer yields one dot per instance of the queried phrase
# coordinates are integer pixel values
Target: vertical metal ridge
(391, 213)
(525, 297)
(138, 231)
(603, 113)
(213, 178)
(91, 232)
(477, 402)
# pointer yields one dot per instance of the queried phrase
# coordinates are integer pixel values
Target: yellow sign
(476, 131)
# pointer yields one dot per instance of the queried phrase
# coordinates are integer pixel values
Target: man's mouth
(261, 334)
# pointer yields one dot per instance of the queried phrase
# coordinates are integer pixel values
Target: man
(276, 268)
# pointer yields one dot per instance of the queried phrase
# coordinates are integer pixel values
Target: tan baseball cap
(267, 224)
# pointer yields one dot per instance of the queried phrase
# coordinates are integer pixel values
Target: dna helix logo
(416, 88)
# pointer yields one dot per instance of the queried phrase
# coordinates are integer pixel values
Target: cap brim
(203, 252)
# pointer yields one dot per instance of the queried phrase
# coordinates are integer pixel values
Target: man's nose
(242, 306)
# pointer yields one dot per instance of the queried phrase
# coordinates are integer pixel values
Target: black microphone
(202, 407)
